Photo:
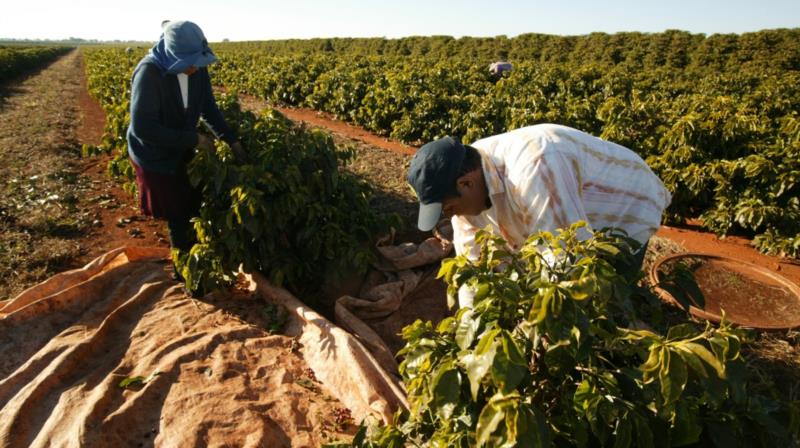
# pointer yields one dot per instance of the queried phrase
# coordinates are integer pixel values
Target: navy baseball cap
(432, 174)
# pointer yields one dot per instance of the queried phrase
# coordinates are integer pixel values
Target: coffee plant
(289, 210)
(562, 348)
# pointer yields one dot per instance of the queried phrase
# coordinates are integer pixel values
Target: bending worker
(542, 177)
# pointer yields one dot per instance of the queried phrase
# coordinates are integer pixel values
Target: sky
(272, 19)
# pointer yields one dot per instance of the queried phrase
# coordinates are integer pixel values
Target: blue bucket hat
(181, 46)
(432, 174)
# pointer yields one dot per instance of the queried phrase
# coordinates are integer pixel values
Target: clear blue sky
(272, 19)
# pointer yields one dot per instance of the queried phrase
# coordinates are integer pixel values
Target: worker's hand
(204, 143)
(239, 152)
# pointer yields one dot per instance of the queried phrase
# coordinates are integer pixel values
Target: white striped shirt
(547, 177)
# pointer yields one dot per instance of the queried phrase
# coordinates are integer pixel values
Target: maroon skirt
(166, 195)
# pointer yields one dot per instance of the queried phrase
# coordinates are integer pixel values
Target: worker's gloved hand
(204, 143)
(239, 152)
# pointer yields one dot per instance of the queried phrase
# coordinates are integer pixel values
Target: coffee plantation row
(673, 49)
(16, 60)
(716, 117)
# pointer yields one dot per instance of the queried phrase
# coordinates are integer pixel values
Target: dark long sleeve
(145, 118)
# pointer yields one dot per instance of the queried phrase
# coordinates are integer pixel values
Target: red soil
(111, 232)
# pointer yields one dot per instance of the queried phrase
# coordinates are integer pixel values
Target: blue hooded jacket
(162, 135)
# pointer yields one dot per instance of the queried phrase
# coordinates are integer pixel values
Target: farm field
(330, 126)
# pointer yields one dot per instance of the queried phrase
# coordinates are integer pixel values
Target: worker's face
(191, 70)
(473, 196)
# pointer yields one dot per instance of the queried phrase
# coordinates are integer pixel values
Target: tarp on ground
(400, 289)
(209, 373)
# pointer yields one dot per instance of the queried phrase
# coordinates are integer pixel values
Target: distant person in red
(171, 91)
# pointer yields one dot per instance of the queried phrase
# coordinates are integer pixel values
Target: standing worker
(542, 177)
(170, 92)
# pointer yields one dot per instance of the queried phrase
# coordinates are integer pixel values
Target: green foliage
(108, 73)
(16, 60)
(290, 211)
(715, 117)
(555, 353)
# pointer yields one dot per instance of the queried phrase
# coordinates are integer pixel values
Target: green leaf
(692, 360)
(706, 356)
(495, 411)
(446, 390)
(131, 382)
(543, 303)
(447, 269)
(580, 289)
(466, 329)
(509, 367)
(360, 436)
(512, 350)
(481, 292)
(511, 419)
(488, 421)
(681, 284)
(532, 428)
(586, 397)
(653, 363)
(610, 383)
(623, 433)
(608, 248)
(644, 435)
(686, 430)
(673, 377)
(478, 363)
(681, 331)
(678, 294)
